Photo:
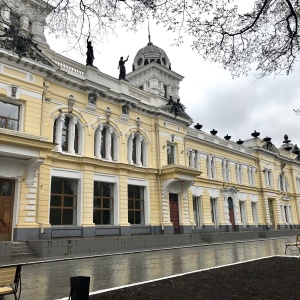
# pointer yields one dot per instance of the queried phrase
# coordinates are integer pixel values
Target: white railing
(69, 65)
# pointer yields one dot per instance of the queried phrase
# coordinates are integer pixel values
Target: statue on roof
(90, 53)
(122, 68)
(176, 107)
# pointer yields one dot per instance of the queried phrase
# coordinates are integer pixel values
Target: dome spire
(149, 36)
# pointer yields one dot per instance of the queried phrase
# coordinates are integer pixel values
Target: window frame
(135, 200)
(19, 120)
(102, 208)
(243, 213)
(135, 155)
(74, 134)
(62, 207)
(171, 158)
(214, 211)
(197, 211)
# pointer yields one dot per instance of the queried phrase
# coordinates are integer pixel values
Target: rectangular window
(9, 116)
(286, 214)
(298, 184)
(197, 211)
(243, 212)
(63, 201)
(214, 211)
(171, 154)
(103, 203)
(136, 204)
(254, 213)
(251, 176)
(239, 174)
(268, 177)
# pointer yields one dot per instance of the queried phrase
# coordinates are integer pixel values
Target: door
(231, 213)
(7, 188)
(174, 212)
(271, 211)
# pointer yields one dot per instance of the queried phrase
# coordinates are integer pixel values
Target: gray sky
(212, 98)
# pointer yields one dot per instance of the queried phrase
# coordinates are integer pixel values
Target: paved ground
(51, 280)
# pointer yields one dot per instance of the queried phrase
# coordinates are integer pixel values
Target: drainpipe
(159, 173)
(45, 88)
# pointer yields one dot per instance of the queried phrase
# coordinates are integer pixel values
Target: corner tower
(152, 72)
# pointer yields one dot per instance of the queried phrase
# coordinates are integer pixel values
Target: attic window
(140, 61)
(164, 61)
(146, 62)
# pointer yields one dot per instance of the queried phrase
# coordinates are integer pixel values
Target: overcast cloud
(212, 98)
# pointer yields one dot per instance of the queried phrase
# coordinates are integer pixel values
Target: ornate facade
(84, 155)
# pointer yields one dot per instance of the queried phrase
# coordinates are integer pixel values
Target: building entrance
(7, 188)
(174, 212)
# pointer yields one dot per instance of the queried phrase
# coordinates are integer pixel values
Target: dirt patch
(270, 278)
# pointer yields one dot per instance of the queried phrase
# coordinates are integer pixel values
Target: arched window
(137, 150)
(106, 143)
(282, 183)
(67, 134)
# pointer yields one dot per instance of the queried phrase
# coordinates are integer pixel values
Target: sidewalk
(52, 276)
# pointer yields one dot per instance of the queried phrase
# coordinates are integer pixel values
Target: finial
(149, 36)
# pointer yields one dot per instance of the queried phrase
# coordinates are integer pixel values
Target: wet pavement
(51, 280)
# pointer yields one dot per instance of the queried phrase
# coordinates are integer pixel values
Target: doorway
(231, 213)
(174, 212)
(7, 188)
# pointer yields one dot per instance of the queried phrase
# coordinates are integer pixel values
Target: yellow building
(83, 154)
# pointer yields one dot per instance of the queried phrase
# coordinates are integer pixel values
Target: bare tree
(264, 37)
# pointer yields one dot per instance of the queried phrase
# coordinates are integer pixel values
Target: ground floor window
(286, 214)
(197, 211)
(214, 211)
(103, 203)
(254, 213)
(243, 212)
(136, 213)
(63, 201)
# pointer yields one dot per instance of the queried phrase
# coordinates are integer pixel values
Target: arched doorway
(231, 213)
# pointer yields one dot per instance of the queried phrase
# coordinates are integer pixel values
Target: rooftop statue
(176, 107)
(122, 68)
(90, 53)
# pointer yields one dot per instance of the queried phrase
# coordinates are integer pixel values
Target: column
(129, 149)
(71, 138)
(107, 142)
(98, 141)
(58, 134)
(139, 150)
